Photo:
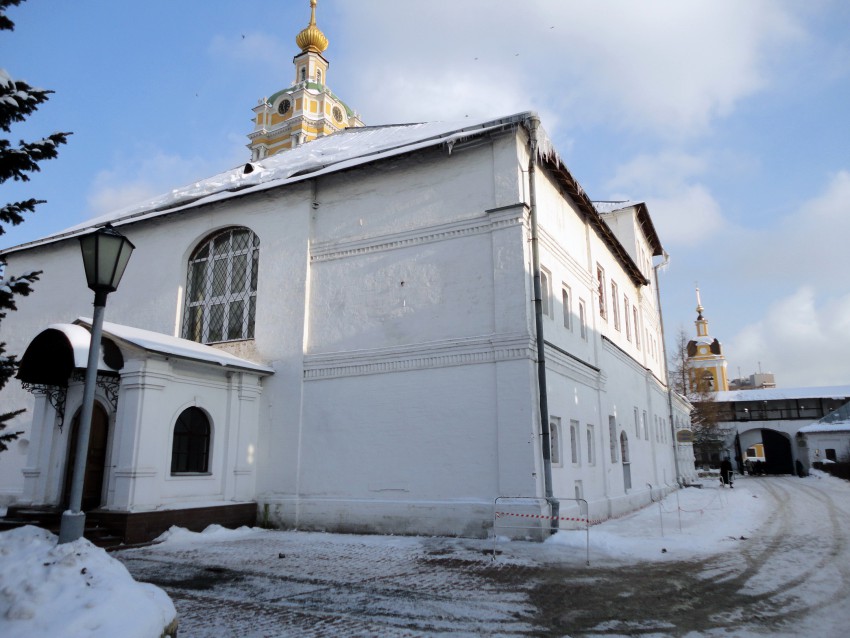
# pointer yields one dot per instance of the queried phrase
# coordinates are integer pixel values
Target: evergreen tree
(18, 100)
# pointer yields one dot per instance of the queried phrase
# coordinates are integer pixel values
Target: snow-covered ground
(770, 557)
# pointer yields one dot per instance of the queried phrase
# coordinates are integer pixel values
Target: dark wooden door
(95, 460)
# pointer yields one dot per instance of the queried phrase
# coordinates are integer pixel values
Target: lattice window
(221, 292)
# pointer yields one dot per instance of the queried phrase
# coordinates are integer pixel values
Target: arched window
(221, 292)
(318, 77)
(190, 450)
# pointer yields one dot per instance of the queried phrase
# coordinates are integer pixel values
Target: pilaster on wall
(243, 417)
(135, 473)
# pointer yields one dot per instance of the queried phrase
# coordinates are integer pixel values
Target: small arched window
(190, 450)
(221, 292)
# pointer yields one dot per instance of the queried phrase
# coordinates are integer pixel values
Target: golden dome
(311, 38)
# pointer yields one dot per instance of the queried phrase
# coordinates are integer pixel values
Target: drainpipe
(666, 372)
(554, 506)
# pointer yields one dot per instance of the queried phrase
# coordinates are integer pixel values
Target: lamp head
(105, 256)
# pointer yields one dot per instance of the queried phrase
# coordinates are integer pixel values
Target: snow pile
(688, 523)
(73, 589)
(212, 533)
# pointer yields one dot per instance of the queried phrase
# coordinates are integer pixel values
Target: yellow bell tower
(307, 109)
(706, 363)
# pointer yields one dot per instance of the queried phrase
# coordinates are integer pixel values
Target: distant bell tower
(307, 109)
(706, 363)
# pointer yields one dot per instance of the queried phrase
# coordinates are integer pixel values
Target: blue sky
(729, 118)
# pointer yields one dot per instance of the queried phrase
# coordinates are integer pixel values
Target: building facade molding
(424, 356)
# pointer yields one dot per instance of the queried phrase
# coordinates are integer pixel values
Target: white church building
(345, 335)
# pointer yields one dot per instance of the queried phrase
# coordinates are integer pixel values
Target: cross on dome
(311, 38)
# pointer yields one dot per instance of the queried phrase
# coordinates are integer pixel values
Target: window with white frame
(582, 319)
(626, 320)
(612, 437)
(645, 426)
(627, 464)
(615, 304)
(637, 424)
(546, 292)
(637, 326)
(566, 303)
(555, 440)
(600, 291)
(591, 448)
(221, 291)
(574, 443)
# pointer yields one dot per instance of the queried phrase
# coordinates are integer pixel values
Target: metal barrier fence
(716, 502)
(503, 518)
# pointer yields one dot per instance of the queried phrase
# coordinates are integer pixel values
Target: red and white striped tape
(542, 516)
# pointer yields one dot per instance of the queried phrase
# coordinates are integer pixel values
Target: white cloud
(808, 247)
(683, 210)
(800, 266)
(803, 335)
(666, 66)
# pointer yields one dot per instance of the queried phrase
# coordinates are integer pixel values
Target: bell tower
(706, 363)
(307, 109)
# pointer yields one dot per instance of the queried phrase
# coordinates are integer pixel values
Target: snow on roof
(345, 149)
(175, 346)
(778, 394)
(609, 207)
(79, 339)
(838, 426)
(836, 421)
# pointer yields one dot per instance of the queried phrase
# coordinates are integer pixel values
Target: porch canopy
(55, 353)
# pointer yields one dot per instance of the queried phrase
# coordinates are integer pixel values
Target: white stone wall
(395, 305)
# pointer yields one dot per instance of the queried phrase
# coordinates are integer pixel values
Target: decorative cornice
(574, 368)
(622, 355)
(435, 354)
(327, 251)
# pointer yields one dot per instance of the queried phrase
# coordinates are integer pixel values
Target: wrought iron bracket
(55, 394)
(108, 383)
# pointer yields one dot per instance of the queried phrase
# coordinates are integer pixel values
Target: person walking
(726, 471)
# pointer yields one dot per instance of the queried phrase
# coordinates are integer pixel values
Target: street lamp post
(105, 256)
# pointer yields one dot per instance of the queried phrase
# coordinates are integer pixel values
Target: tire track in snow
(790, 566)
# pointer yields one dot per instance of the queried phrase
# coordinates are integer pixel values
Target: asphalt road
(792, 578)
